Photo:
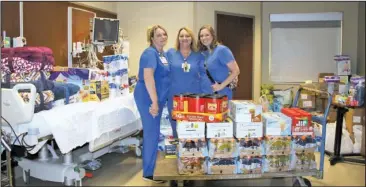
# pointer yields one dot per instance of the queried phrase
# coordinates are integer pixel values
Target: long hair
(151, 32)
(214, 42)
(193, 43)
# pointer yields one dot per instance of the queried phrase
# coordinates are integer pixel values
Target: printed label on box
(220, 130)
(191, 129)
(248, 130)
(307, 103)
(304, 96)
(356, 119)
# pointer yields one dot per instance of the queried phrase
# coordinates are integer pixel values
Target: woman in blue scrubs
(151, 93)
(187, 71)
(220, 61)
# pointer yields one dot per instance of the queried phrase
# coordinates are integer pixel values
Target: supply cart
(167, 169)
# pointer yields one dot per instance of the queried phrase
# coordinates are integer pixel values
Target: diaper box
(248, 129)
(64, 74)
(222, 148)
(192, 165)
(276, 124)
(343, 64)
(220, 130)
(187, 129)
(245, 111)
(222, 166)
(92, 90)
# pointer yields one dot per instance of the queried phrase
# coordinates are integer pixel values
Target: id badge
(163, 60)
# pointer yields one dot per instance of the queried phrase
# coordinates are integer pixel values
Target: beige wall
(350, 25)
(108, 6)
(135, 17)
(361, 39)
(205, 14)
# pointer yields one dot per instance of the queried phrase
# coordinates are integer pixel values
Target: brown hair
(214, 42)
(193, 43)
(151, 32)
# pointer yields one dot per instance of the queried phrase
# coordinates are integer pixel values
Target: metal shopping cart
(166, 169)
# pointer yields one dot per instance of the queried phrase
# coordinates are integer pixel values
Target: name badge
(163, 60)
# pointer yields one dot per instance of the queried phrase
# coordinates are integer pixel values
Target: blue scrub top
(187, 77)
(217, 62)
(151, 58)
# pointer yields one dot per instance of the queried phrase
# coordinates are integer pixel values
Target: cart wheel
(332, 162)
(173, 183)
(138, 151)
(306, 181)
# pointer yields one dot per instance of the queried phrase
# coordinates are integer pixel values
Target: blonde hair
(151, 32)
(191, 34)
(214, 42)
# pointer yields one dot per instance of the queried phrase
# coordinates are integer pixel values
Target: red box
(301, 121)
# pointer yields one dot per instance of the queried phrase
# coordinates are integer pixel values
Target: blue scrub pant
(173, 123)
(151, 132)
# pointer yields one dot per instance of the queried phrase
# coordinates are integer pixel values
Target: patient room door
(236, 32)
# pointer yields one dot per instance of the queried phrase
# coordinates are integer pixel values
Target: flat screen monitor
(105, 31)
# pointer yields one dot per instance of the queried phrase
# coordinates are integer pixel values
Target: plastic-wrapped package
(277, 145)
(222, 166)
(192, 148)
(192, 165)
(250, 165)
(222, 148)
(250, 147)
(277, 163)
(304, 144)
(304, 161)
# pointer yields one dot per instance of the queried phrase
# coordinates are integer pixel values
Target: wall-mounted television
(105, 31)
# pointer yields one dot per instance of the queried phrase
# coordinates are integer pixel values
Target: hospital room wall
(135, 17)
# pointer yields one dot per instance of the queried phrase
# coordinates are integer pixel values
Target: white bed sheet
(79, 123)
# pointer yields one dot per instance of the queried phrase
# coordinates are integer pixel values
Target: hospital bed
(82, 131)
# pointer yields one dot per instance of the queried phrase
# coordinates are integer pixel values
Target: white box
(220, 130)
(248, 129)
(245, 111)
(190, 129)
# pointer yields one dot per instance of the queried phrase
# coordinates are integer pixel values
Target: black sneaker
(151, 179)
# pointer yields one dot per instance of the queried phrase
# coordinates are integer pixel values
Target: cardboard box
(245, 111)
(191, 129)
(363, 141)
(220, 130)
(276, 124)
(306, 100)
(358, 117)
(332, 115)
(248, 129)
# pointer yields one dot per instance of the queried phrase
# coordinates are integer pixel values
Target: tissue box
(222, 166)
(192, 148)
(343, 64)
(250, 147)
(192, 166)
(248, 129)
(277, 163)
(245, 111)
(276, 124)
(277, 145)
(250, 165)
(220, 130)
(222, 148)
(305, 161)
(191, 129)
